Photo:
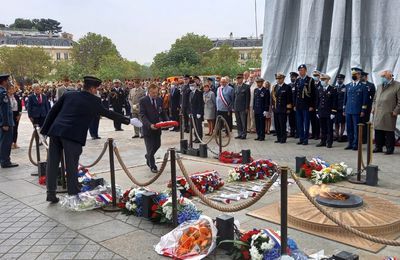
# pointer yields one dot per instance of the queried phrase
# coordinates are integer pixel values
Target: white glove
(317, 116)
(198, 116)
(265, 113)
(136, 122)
(332, 117)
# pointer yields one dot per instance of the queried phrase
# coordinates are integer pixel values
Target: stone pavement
(33, 229)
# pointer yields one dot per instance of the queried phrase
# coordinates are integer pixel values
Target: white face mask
(324, 84)
(192, 88)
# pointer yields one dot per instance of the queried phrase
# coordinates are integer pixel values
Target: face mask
(163, 91)
(340, 82)
(324, 84)
(354, 77)
(293, 80)
(384, 80)
(315, 78)
(192, 88)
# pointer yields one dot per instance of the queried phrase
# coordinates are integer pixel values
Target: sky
(141, 29)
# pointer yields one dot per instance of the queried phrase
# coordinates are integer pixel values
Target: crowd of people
(307, 107)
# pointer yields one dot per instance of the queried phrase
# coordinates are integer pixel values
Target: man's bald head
(386, 74)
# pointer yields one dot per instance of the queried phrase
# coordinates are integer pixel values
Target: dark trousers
(117, 124)
(292, 123)
(326, 125)
(385, 138)
(260, 125)
(228, 118)
(94, 127)
(72, 151)
(303, 124)
(152, 142)
(314, 124)
(280, 120)
(198, 123)
(6, 138)
(352, 129)
(175, 116)
(185, 120)
(38, 121)
(241, 123)
(16, 124)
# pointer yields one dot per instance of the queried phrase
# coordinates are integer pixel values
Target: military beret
(325, 76)
(91, 81)
(356, 70)
(116, 81)
(4, 76)
(316, 72)
(363, 73)
(293, 74)
(302, 66)
(279, 75)
(340, 76)
(259, 79)
(239, 76)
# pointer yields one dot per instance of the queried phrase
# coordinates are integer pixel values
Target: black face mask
(340, 82)
(293, 80)
(354, 77)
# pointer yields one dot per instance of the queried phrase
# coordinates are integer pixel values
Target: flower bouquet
(193, 239)
(131, 201)
(264, 244)
(334, 173)
(315, 164)
(259, 169)
(162, 210)
(231, 157)
(206, 182)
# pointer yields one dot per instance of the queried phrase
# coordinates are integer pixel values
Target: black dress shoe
(141, 137)
(299, 142)
(320, 145)
(154, 169)
(197, 141)
(119, 129)
(238, 137)
(261, 139)
(388, 152)
(348, 147)
(9, 165)
(52, 198)
(277, 141)
(135, 136)
(283, 142)
(305, 143)
(256, 139)
(316, 138)
(243, 137)
(329, 146)
(354, 149)
(377, 150)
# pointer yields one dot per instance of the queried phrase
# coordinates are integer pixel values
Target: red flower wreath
(166, 124)
(231, 157)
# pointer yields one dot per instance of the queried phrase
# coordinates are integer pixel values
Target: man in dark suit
(197, 109)
(67, 124)
(150, 108)
(185, 95)
(261, 104)
(117, 99)
(371, 93)
(175, 103)
(241, 106)
(281, 105)
(38, 106)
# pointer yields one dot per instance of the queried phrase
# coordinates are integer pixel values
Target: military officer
(6, 124)
(185, 97)
(117, 100)
(326, 108)
(281, 106)
(371, 93)
(315, 128)
(340, 119)
(135, 94)
(355, 107)
(292, 114)
(261, 107)
(241, 106)
(304, 103)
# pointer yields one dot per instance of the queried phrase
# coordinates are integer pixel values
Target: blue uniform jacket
(304, 94)
(6, 115)
(261, 100)
(326, 101)
(356, 99)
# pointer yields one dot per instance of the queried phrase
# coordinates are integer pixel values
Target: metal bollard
(300, 160)
(225, 225)
(372, 175)
(203, 151)
(173, 183)
(148, 202)
(369, 142)
(184, 146)
(246, 155)
(359, 179)
(190, 133)
(113, 207)
(284, 209)
(181, 126)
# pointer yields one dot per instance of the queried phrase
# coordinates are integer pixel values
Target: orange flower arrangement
(194, 240)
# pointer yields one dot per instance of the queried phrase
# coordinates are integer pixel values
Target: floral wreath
(231, 157)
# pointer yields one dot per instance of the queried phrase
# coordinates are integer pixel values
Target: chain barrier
(337, 221)
(224, 208)
(133, 179)
(30, 150)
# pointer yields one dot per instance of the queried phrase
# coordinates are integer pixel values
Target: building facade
(58, 46)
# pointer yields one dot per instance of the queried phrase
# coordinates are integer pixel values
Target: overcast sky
(140, 29)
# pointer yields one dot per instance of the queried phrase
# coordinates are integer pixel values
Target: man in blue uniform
(67, 124)
(340, 119)
(304, 103)
(355, 107)
(117, 99)
(326, 103)
(185, 98)
(315, 128)
(6, 124)
(292, 114)
(371, 93)
(281, 105)
(260, 107)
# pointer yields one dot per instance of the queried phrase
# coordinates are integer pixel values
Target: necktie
(39, 98)
(154, 104)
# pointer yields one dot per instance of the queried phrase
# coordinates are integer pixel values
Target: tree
(223, 61)
(91, 50)
(199, 43)
(2, 25)
(47, 25)
(24, 62)
(21, 23)
(177, 56)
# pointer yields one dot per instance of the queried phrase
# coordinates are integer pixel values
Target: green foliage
(199, 43)
(43, 25)
(32, 63)
(21, 23)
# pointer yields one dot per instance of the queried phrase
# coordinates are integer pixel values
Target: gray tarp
(331, 36)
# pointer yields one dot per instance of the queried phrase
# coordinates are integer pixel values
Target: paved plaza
(30, 228)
